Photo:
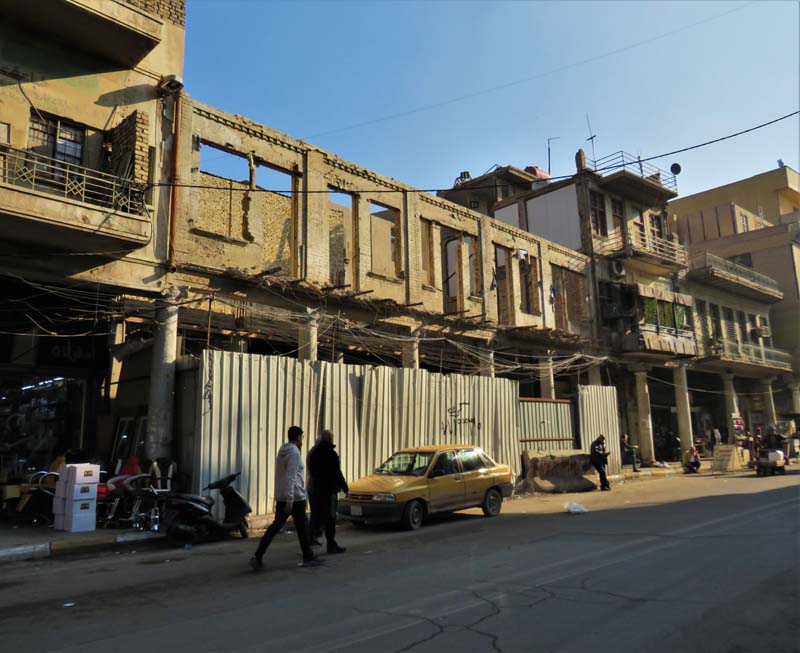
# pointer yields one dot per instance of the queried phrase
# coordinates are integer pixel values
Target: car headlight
(384, 498)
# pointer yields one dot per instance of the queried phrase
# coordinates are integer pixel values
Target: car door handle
(457, 478)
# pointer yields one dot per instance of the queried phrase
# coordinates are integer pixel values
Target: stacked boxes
(75, 503)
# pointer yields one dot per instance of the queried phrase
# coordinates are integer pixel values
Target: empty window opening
(474, 262)
(385, 240)
(275, 202)
(568, 296)
(426, 252)
(224, 177)
(502, 283)
(451, 242)
(529, 286)
(342, 247)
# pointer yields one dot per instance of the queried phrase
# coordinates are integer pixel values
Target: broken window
(341, 251)
(502, 283)
(529, 285)
(56, 138)
(568, 296)
(426, 251)
(385, 240)
(224, 178)
(275, 201)
(474, 262)
(451, 241)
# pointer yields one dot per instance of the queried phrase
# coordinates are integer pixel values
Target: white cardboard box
(77, 491)
(83, 473)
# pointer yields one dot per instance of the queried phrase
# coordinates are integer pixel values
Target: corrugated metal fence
(247, 402)
(597, 413)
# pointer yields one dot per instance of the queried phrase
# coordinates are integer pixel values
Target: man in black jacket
(326, 480)
(598, 457)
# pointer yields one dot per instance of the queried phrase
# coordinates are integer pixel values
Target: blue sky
(312, 68)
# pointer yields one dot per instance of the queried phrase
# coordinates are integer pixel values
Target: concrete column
(731, 405)
(682, 404)
(644, 421)
(162, 381)
(769, 403)
(795, 390)
(595, 376)
(546, 379)
(307, 341)
(487, 364)
(411, 354)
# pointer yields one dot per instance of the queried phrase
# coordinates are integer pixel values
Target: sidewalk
(29, 542)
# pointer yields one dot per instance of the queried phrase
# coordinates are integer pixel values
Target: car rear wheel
(413, 515)
(492, 503)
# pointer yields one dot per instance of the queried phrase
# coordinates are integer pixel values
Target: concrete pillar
(769, 403)
(411, 354)
(731, 405)
(162, 381)
(487, 364)
(795, 390)
(546, 379)
(682, 404)
(307, 341)
(644, 421)
(595, 376)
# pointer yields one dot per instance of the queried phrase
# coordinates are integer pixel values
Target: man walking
(598, 457)
(325, 477)
(290, 496)
(629, 451)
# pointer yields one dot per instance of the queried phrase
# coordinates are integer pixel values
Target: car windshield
(406, 463)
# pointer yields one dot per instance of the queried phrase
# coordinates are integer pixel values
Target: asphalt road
(681, 564)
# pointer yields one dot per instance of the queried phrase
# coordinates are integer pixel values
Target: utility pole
(552, 138)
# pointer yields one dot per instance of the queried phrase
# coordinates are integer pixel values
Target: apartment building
(87, 117)
(750, 230)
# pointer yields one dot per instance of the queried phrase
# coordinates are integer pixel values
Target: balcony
(629, 176)
(714, 270)
(747, 359)
(659, 255)
(65, 206)
(113, 30)
(657, 341)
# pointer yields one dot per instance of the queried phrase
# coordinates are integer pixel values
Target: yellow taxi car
(420, 481)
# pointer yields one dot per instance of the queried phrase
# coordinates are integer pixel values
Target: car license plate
(356, 511)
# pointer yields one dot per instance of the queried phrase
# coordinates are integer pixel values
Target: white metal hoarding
(598, 413)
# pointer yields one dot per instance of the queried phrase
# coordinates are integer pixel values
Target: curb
(61, 547)
(648, 473)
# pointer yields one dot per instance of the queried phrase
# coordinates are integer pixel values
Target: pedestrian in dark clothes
(629, 451)
(326, 480)
(290, 497)
(598, 457)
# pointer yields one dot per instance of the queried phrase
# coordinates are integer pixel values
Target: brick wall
(130, 155)
(173, 11)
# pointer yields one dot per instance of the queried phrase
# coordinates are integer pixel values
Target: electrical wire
(531, 78)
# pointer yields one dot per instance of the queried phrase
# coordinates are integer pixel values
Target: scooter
(187, 518)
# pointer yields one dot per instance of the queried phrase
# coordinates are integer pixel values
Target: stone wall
(173, 11)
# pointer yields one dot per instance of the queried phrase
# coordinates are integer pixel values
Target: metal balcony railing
(662, 248)
(749, 353)
(48, 175)
(623, 161)
(708, 260)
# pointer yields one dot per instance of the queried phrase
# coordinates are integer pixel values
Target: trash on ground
(575, 508)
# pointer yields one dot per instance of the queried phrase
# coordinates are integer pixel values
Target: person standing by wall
(598, 456)
(629, 452)
(326, 479)
(290, 496)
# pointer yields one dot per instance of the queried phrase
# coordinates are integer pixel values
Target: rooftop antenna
(552, 138)
(591, 138)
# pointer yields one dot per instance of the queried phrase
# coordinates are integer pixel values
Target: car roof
(433, 448)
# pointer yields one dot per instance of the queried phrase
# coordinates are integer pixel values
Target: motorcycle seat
(192, 497)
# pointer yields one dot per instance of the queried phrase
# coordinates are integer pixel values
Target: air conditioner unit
(760, 332)
(617, 268)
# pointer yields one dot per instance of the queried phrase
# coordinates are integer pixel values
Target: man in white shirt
(290, 498)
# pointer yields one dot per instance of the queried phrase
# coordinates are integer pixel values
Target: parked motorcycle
(188, 518)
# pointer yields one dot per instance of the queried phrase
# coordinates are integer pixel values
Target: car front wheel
(413, 515)
(492, 503)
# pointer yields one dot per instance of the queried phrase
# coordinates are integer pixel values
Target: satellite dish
(675, 168)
